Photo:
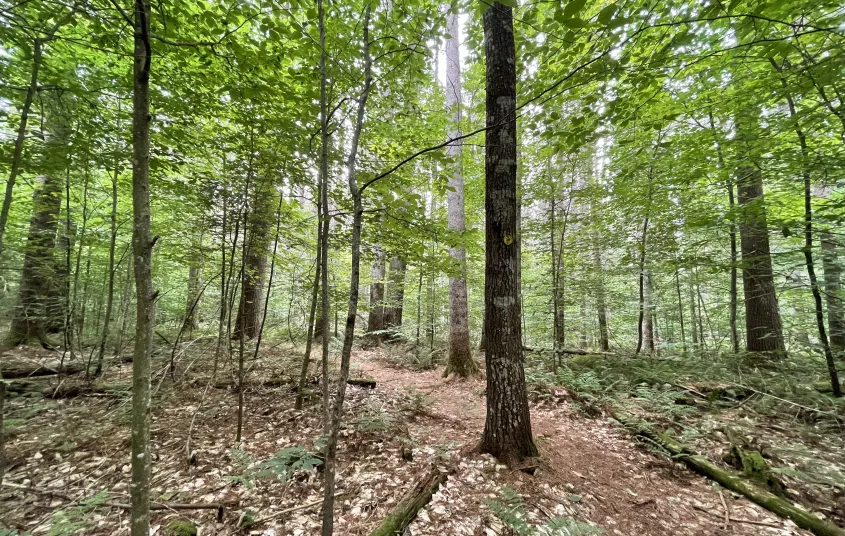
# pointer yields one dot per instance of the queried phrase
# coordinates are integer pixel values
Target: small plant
(374, 419)
(281, 466)
(512, 512)
(416, 401)
(74, 520)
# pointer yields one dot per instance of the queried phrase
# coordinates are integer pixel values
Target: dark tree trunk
(641, 321)
(336, 411)
(255, 264)
(395, 293)
(649, 322)
(35, 308)
(507, 430)
(142, 248)
(762, 317)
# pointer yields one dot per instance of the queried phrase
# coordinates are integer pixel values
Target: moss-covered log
(730, 479)
(404, 513)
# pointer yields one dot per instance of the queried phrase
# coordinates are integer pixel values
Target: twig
(725, 506)
(737, 520)
(293, 509)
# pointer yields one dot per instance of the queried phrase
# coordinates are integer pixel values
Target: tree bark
(762, 317)
(375, 320)
(36, 307)
(111, 272)
(833, 292)
(808, 240)
(641, 321)
(601, 307)
(507, 430)
(460, 356)
(395, 293)
(336, 411)
(649, 323)
(142, 246)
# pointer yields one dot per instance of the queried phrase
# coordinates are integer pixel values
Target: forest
(413, 267)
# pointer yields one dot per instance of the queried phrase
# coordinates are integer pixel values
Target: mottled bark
(37, 305)
(142, 246)
(256, 247)
(460, 357)
(395, 293)
(762, 317)
(375, 320)
(507, 430)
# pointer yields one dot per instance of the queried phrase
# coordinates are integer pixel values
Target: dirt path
(589, 469)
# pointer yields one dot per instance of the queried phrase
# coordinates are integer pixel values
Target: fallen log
(367, 383)
(25, 369)
(566, 351)
(404, 513)
(730, 479)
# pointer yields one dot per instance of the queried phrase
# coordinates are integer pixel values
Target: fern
(74, 520)
(281, 466)
(512, 512)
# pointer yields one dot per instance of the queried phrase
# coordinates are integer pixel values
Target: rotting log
(12, 369)
(367, 383)
(404, 513)
(730, 479)
(18, 368)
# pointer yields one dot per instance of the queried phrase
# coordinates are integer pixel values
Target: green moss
(180, 527)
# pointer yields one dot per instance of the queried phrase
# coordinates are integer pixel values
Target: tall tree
(395, 292)
(507, 429)
(142, 249)
(375, 320)
(39, 305)
(763, 332)
(460, 356)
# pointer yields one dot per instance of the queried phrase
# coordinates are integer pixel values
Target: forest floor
(68, 460)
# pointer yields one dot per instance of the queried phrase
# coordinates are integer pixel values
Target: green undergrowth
(672, 386)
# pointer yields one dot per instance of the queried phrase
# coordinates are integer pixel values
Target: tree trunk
(601, 307)
(729, 186)
(460, 356)
(336, 411)
(312, 313)
(808, 242)
(507, 430)
(255, 262)
(35, 310)
(395, 293)
(833, 293)
(762, 317)
(191, 321)
(375, 320)
(649, 325)
(110, 270)
(641, 321)
(17, 153)
(142, 246)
